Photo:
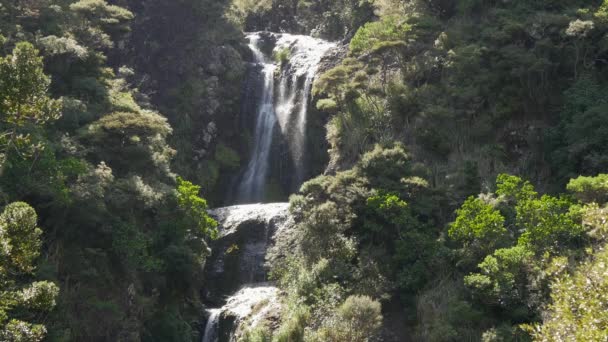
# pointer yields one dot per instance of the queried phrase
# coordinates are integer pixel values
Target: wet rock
(267, 42)
(239, 254)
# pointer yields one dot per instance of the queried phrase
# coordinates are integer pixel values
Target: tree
(479, 227)
(24, 100)
(590, 189)
(391, 30)
(549, 224)
(579, 307)
(130, 141)
(503, 280)
(19, 300)
(195, 209)
(99, 24)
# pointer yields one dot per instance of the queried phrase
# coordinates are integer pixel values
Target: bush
(373, 35)
(579, 304)
(227, 157)
(358, 319)
(590, 189)
(282, 56)
(479, 226)
(292, 329)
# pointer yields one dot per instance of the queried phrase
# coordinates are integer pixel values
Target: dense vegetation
(437, 105)
(465, 197)
(121, 235)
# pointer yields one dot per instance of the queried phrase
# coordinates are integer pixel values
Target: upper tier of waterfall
(252, 184)
(281, 112)
(305, 54)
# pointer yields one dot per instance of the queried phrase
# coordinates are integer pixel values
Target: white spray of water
(305, 54)
(254, 180)
(241, 305)
(211, 328)
(290, 111)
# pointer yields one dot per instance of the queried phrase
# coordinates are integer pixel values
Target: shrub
(579, 304)
(356, 320)
(373, 35)
(282, 56)
(590, 189)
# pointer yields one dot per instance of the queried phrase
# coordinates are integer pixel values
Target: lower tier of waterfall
(236, 283)
(247, 307)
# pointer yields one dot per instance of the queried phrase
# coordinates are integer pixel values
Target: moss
(274, 192)
(282, 56)
(227, 158)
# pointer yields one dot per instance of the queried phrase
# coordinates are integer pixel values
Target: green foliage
(257, 335)
(358, 319)
(132, 125)
(514, 234)
(373, 36)
(24, 100)
(357, 235)
(444, 314)
(478, 226)
(19, 301)
(293, 327)
(98, 13)
(24, 88)
(332, 20)
(385, 167)
(469, 87)
(590, 189)
(578, 143)
(282, 57)
(227, 157)
(134, 247)
(549, 223)
(19, 331)
(241, 9)
(195, 209)
(20, 238)
(503, 279)
(578, 307)
(192, 56)
(327, 105)
(103, 184)
(168, 326)
(513, 188)
(388, 217)
(132, 140)
(594, 221)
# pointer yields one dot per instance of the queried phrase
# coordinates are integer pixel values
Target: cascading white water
(250, 299)
(253, 181)
(211, 328)
(305, 54)
(241, 306)
(289, 110)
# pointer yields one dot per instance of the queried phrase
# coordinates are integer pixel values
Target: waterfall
(241, 305)
(254, 179)
(212, 326)
(305, 54)
(236, 271)
(288, 107)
